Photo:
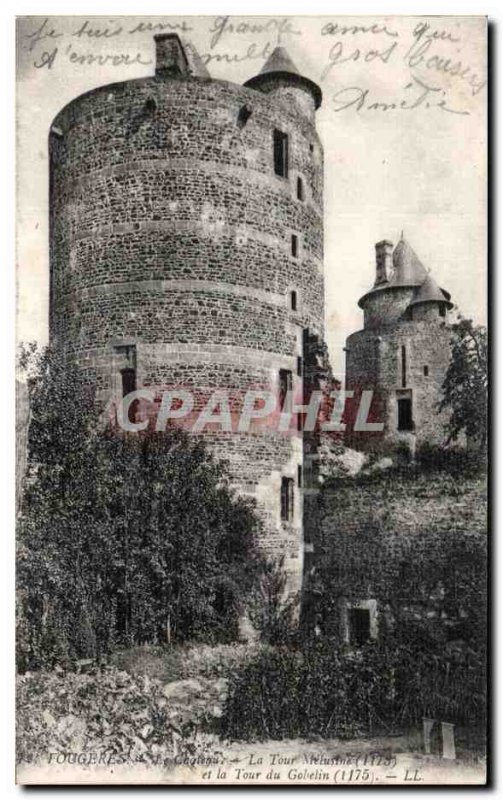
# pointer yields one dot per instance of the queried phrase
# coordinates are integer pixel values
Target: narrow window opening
(299, 476)
(293, 300)
(295, 245)
(441, 310)
(405, 414)
(311, 147)
(300, 189)
(300, 366)
(125, 364)
(128, 376)
(281, 154)
(426, 370)
(150, 105)
(404, 367)
(244, 115)
(287, 498)
(285, 388)
(223, 600)
(359, 625)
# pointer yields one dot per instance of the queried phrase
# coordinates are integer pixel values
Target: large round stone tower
(187, 246)
(401, 355)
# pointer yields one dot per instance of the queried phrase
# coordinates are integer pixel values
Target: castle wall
(374, 361)
(385, 308)
(368, 525)
(281, 89)
(426, 312)
(171, 232)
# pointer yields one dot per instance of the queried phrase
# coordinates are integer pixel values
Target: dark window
(281, 154)
(295, 245)
(123, 613)
(128, 381)
(359, 625)
(150, 105)
(300, 366)
(244, 115)
(311, 147)
(285, 386)
(293, 300)
(404, 366)
(441, 310)
(426, 371)
(405, 414)
(223, 600)
(287, 499)
(300, 189)
(299, 476)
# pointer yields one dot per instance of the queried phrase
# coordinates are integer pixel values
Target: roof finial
(401, 235)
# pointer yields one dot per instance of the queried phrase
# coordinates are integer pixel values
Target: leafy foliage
(273, 612)
(428, 576)
(123, 538)
(108, 711)
(429, 587)
(466, 382)
(328, 691)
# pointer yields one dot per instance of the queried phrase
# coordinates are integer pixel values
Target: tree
(123, 538)
(465, 384)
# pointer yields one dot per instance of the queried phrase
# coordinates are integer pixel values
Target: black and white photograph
(251, 400)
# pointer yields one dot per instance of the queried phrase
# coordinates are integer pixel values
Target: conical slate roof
(429, 291)
(280, 65)
(409, 271)
(279, 61)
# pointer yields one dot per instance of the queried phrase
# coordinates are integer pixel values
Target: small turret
(401, 355)
(280, 77)
(430, 301)
(430, 292)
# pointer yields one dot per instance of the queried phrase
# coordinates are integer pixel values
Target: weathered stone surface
(170, 229)
(403, 351)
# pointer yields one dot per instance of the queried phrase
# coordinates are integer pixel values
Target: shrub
(102, 711)
(328, 691)
(453, 460)
(272, 611)
(124, 539)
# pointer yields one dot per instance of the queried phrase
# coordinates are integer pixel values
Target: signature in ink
(419, 95)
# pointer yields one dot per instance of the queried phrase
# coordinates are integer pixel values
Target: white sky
(419, 169)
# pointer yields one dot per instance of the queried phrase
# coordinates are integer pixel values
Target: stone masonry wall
(373, 361)
(382, 308)
(388, 512)
(171, 232)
